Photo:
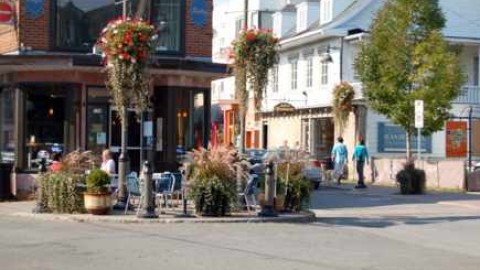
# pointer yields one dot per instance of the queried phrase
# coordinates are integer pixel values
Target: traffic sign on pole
(419, 113)
(6, 13)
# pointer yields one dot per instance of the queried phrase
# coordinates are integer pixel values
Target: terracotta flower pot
(98, 203)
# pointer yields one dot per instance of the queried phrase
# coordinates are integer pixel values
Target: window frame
(294, 74)
(324, 73)
(309, 73)
(55, 47)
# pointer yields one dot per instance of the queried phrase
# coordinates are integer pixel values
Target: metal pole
(148, 206)
(419, 141)
(470, 139)
(268, 210)
(123, 163)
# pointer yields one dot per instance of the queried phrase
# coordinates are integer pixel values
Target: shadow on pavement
(346, 196)
(383, 222)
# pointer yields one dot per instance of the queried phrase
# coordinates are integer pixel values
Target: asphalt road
(354, 231)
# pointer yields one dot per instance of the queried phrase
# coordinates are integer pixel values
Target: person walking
(340, 158)
(360, 156)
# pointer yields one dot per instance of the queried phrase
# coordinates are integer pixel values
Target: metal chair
(250, 192)
(133, 188)
(164, 187)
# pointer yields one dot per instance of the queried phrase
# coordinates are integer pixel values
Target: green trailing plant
(97, 181)
(343, 95)
(126, 45)
(60, 192)
(411, 180)
(255, 52)
(298, 188)
(212, 180)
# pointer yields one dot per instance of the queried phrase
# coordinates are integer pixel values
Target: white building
(319, 42)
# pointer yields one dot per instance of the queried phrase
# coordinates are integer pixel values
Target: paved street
(372, 229)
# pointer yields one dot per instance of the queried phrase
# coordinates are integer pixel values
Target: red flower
(250, 36)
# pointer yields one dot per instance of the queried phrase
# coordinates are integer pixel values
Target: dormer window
(325, 11)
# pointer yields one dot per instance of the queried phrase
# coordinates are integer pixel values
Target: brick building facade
(53, 93)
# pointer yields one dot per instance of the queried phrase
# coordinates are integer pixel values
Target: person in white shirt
(108, 164)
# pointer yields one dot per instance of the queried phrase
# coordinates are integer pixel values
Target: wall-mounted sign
(456, 139)
(392, 139)
(199, 12)
(283, 107)
(6, 13)
(34, 8)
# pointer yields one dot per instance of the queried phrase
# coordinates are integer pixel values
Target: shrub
(411, 180)
(97, 181)
(60, 192)
(298, 187)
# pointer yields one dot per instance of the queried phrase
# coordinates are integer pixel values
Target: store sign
(392, 139)
(6, 13)
(456, 139)
(284, 107)
(199, 12)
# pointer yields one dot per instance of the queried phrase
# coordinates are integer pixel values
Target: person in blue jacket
(339, 158)
(360, 156)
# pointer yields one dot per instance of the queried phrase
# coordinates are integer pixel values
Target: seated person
(56, 164)
(108, 164)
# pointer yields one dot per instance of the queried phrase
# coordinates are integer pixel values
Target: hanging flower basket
(126, 45)
(255, 51)
(343, 95)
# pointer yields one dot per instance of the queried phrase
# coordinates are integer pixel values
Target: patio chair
(133, 189)
(164, 187)
(250, 192)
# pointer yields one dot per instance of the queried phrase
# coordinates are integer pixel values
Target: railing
(469, 94)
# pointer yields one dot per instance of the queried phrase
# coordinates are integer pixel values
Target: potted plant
(97, 198)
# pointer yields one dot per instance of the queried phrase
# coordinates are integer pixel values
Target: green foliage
(411, 180)
(343, 95)
(298, 188)
(212, 181)
(213, 196)
(60, 192)
(126, 45)
(97, 181)
(407, 58)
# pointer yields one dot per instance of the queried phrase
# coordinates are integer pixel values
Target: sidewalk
(24, 209)
(383, 202)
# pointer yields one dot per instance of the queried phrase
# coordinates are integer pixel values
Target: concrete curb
(303, 217)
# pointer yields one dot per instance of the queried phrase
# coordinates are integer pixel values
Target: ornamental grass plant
(213, 178)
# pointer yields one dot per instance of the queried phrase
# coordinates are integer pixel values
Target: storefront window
(167, 18)
(6, 126)
(79, 22)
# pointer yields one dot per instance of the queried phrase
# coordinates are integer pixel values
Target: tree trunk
(408, 135)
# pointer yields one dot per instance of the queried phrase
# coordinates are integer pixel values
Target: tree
(407, 58)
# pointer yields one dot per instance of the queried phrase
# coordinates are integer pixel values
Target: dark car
(255, 156)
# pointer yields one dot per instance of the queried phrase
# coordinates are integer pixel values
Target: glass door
(139, 136)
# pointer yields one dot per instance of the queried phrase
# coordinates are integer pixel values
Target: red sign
(6, 12)
(456, 139)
